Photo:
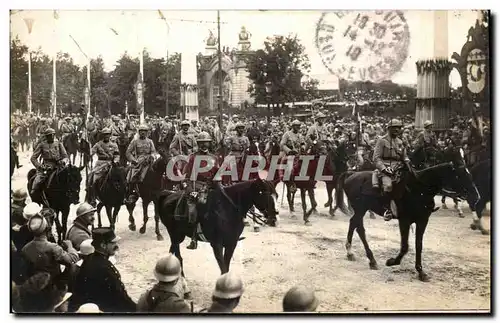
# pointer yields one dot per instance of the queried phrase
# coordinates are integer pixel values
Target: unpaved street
(274, 259)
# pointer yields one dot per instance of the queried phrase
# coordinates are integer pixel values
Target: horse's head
(70, 180)
(264, 197)
(461, 179)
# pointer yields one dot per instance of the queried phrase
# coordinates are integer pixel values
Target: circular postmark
(363, 45)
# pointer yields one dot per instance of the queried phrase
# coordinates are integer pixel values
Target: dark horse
(481, 174)
(148, 191)
(316, 150)
(63, 189)
(110, 190)
(71, 144)
(336, 165)
(221, 223)
(414, 205)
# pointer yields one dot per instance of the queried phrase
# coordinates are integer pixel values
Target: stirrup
(193, 245)
(388, 216)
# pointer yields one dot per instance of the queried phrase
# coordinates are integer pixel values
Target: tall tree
(281, 64)
(18, 75)
(70, 84)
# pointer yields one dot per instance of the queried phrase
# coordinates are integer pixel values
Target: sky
(144, 28)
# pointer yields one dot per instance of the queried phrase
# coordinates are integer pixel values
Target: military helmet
(37, 224)
(168, 269)
(88, 308)
(67, 118)
(204, 137)
(296, 123)
(143, 127)
(394, 123)
(228, 286)
(19, 195)
(300, 299)
(320, 115)
(115, 118)
(31, 209)
(106, 131)
(428, 123)
(49, 131)
(84, 208)
(239, 125)
(185, 123)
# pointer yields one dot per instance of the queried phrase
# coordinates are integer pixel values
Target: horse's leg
(362, 235)
(64, 224)
(290, 197)
(443, 202)
(217, 248)
(130, 209)
(304, 206)
(419, 237)
(176, 251)
(58, 227)
(329, 190)
(99, 208)
(116, 210)
(404, 230)
(159, 237)
(477, 215)
(228, 254)
(458, 207)
(312, 198)
(353, 224)
(145, 204)
(109, 215)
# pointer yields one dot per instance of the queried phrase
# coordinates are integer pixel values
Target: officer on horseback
(116, 129)
(183, 142)
(388, 155)
(106, 151)
(67, 128)
(318, 130)
(140, 153)
(238, 145)
(427, 141)
(197, 184)
(53, 155)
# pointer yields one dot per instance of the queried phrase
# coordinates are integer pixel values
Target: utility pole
(219, 58)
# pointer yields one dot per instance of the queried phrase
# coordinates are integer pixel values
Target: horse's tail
(339, 192)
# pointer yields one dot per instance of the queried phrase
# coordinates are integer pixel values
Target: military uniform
(183, 144)
(319, 131)
(51, 155)
(105, 153)
(116, 131)
(163, 298)
(292, 141)
(43, 255)
(237, 145)
(389, 152)
(78, 233)
(66, 129)
(139, 151)
(99, 282)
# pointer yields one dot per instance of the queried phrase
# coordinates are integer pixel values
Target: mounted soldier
(67, 128)
(293, 143)
(364, 149)
(238, 146)
(197, 185)
(53, 154)
(106, 151)
(318, 130)
(116, 129)
(183, 143)
(388, 156)
(140, 153)
(426, 140)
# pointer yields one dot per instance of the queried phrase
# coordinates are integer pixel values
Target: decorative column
(433, 93)
(189, 87)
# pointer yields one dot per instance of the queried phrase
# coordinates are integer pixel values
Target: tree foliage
(110, 90)
(281, 64)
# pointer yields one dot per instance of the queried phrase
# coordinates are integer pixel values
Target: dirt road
(274, 259)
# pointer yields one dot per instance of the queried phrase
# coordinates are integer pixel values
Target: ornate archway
(214, 89)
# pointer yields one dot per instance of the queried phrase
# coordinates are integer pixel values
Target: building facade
(234, 74)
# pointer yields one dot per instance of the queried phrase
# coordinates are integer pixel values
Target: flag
(29, 23)
(56, 15)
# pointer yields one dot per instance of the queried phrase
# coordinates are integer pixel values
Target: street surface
(275, 259)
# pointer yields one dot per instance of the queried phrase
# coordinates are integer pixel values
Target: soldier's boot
(37, 182)
(131, 194)
(388, 215)
(192, 220)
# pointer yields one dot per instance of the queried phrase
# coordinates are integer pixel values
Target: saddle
(199, 197)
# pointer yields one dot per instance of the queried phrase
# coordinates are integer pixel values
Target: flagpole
(54, 72)
(29, 23)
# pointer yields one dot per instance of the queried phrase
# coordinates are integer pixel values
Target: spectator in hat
(300, 299)
(80, 230)
(98, 281)
(89, 308)
(227, 294)
(165, 296)
(45, 256)
(39, 295)
(20, 234)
